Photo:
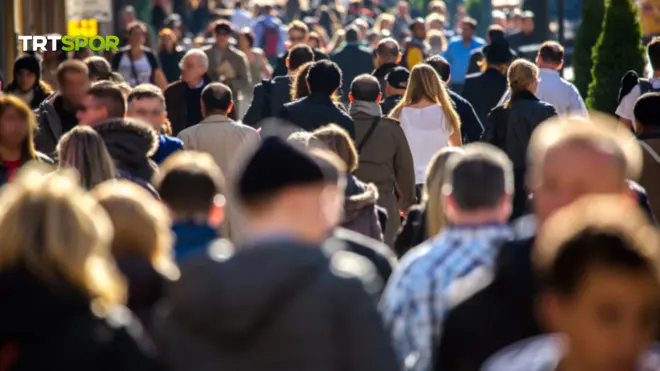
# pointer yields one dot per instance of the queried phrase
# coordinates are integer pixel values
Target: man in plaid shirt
(477, 193)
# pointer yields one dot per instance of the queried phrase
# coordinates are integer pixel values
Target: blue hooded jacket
(192, 238)
(166, 146)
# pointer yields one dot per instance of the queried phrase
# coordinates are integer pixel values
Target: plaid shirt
(416, 298)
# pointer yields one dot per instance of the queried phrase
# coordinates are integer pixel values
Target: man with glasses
(146, 102)
(297, 32)
(104, 100)
(227, 64)
(183, 96)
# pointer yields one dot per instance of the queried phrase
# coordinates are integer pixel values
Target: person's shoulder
(473, 77)
(362, 240)
(236, 51)
(350, 268)
(173, 86)
(457, 98)
(479, 41)
(172, 141)
(44, 158)
(207, 48)
(389, 122)
(533, 354)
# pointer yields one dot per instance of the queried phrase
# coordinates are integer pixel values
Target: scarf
(370, 108)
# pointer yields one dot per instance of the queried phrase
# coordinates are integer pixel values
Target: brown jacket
(229, 67)
(386, 161)
(650, 178)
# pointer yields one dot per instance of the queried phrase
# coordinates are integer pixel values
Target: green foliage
(618, 50)
(593, 12)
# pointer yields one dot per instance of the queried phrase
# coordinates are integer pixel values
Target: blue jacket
(166, 146)
(192, 238)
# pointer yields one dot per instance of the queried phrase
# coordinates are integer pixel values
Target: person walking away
(646, 120)
(568, 159)
(240, 16)
(384, 155)
(477, 56)
(225, 140)
(27, 83)
(57, 114)
(100, 70)
(169, 54)
(428, 119)
(426, 220)
(478, 190)
(485, 89)
(269, 34)
(416, 48)
(402, 22)
(63, 263)
(183, 96)
(525, 36)
(396, 83)
(141, 244)
(627, 99)
(613, 248)
(104, 100)
(147, 102)
(198, 212)
(388, 56)
(553, 89)
(271, 95)
(458, 52)
(17, 128)
(136, 63)
(297, 33)
(227, 64)
(297, 302)
(257, 63)
(353, 60)
(318, 109)
(471, 126)
(83, 150)
(510, 126)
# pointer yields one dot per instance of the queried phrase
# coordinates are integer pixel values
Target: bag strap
(369, 133)
(133, 70)
(650, 151)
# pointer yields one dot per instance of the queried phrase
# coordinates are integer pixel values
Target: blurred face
(167, 41)
(403, 9)
(222, 39)
(419, 32)
(137, 37)
(296, 37)
(127, 17)
(192, 69)
(610, 321)
(386, 25)
(313, 43)
(13, 129)
(467, 30)
(569, 172)
(91, 111)
(243, 43)
(150, 110)
(515, 22)
(26, 80)
(74, 87)
(528, 25)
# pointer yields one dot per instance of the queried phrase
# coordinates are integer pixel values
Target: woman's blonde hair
(425, 83)
(8, 102)
(432, 193)
(382, 18)
(520, 76)
(338, 141)
(141, 224)
(57, 231)
(83, 149)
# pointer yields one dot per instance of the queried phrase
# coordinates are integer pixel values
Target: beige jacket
(228, 142)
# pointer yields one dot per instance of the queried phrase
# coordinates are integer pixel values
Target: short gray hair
(198, 52)
(478, 178)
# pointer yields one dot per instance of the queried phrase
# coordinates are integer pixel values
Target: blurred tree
(618, 50)
(593, 12)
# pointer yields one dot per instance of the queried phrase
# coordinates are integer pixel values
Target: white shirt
(241, 18)
(625, 109)
(427, 131)
(142, 70)
(563, 95)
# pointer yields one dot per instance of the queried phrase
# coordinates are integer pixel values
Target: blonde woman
(384, 22)
(427, 219)
(510, 126)
(62, 295)
(83, 149)
(142, 243)
(427, 117)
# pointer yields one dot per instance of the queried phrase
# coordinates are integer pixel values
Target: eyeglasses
(144, 112)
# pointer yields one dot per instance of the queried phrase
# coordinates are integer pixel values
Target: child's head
(602, 284)
(647, 110)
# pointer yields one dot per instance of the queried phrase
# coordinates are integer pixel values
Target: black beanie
(28, 62)
(277, 165)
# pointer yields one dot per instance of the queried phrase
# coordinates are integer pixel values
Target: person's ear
(231, 106)
(448, 80)
(539, 61)
(399, 57)
(288, 63)
(308, 88)
(203, 106)
(449, 207)
(350, 97)
(550, 308)
(379, 98)
(217, 212)
(560, 66)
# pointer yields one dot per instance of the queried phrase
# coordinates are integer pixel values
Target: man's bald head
(388, 51)
(365, 88)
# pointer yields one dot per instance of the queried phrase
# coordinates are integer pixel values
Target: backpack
(630, 80)
(271, 39)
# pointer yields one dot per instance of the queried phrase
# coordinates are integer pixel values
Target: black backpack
(630, 80)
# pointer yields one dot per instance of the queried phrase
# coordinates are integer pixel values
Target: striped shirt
(417, 297)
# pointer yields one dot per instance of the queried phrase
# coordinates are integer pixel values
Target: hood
(30, 307)
(361, 196)
(247, 287)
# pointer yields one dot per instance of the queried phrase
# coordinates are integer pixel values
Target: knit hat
(398, 77)
(277, 165)
(498, 52)
(28, 62)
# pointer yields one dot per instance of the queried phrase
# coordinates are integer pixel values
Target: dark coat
(130, 144)
(388, 104)
(302, 311)
(484, 90)
(54, 328)
(471, 127)
(315, 111)
(51, 127)
(510, 129)
(4, 171)
(475, 56)
(412, 232)
(175, 100)
(353, 60)
(280, 94)
(281, 68)
(380, 73)
(650, 178)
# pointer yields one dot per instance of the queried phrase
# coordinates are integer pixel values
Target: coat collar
(320, 98)
(524, 95)
(214, 119)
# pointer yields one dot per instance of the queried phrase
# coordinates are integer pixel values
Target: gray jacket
(275, 306)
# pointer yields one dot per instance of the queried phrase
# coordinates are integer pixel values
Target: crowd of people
(332, 188)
